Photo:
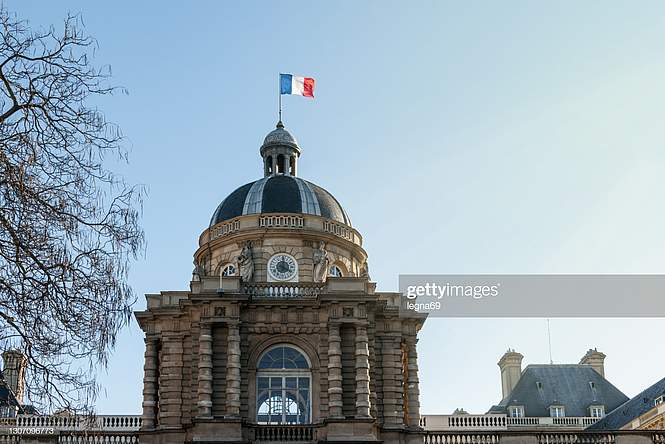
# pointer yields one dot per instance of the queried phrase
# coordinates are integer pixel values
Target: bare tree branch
(69, 227)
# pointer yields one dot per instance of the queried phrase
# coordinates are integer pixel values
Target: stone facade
(202, 349)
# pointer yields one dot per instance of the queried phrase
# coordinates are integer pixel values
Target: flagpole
(279, 92)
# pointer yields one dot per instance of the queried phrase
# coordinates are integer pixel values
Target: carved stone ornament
(321, 263)
(246, 263)
(364, 270)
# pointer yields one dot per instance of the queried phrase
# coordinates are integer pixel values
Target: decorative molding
(224, 229)
(281, 221)
(337, 229)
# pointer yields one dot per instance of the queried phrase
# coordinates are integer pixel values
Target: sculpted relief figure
(246, 263)
(321, 263)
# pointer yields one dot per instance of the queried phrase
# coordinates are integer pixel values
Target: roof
(280, 194)
(280, 136)
(574, 386)
(631, 409)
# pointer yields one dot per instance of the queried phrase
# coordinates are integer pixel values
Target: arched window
(335, 271)
(229, 270)
(280, 164)
(283, 387)
(269, 165)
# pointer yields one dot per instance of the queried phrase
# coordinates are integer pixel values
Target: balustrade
(281, 433)
(284, 290)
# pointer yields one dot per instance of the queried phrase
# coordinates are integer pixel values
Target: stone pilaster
(393, 395)
(205, 372)
(170, 381)
(362, 372)
(334, 372)
(412, 382)
(150, 374)
(233, 371)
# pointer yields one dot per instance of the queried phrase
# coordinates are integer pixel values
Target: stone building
(12, 384)
(282, 334)
(645, 411)
(556, 390)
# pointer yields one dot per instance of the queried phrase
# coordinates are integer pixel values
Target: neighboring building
(646, 411)
(282, 334)
(12, 384)
(556, 390)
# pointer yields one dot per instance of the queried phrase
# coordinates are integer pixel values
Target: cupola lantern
(280, 152)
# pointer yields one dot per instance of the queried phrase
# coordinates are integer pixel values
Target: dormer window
(557, 411)
(597, 411)
(659, 400)
(516, 411)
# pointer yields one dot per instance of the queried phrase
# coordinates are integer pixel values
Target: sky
(461, 137)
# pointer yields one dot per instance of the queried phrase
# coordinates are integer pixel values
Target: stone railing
(283, 290)
(563, 437)
(104, 438)
(455, 438)
(464, 422)
(284, 433)
(101, 423)
(491, 422)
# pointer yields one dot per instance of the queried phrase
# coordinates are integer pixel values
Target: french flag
(301, 86)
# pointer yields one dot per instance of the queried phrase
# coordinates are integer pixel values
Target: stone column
(362, 372)
(391, 368)
(412, 383)
(334, 372)
(150, 374)
(205, 372)
(233, 370)
(170, 381)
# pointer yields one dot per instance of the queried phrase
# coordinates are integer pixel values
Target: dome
(280, 194)
(280, 136)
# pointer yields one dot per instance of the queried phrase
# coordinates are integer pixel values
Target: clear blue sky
(465, 137)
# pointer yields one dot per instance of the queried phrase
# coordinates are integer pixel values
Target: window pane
(284, 358)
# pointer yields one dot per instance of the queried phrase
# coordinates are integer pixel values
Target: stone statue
(198, 272)
(246, 263)
(364, 270)
(321, 263)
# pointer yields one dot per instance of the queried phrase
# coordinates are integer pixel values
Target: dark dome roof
(280, 194)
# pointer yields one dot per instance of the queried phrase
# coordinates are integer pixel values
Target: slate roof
(631, 409)
(574, 386)
(280, 194)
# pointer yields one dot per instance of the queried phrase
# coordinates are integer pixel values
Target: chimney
(596, 360)
(13, 371)
(511, 370)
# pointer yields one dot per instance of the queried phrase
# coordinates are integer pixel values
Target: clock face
(282, 267)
